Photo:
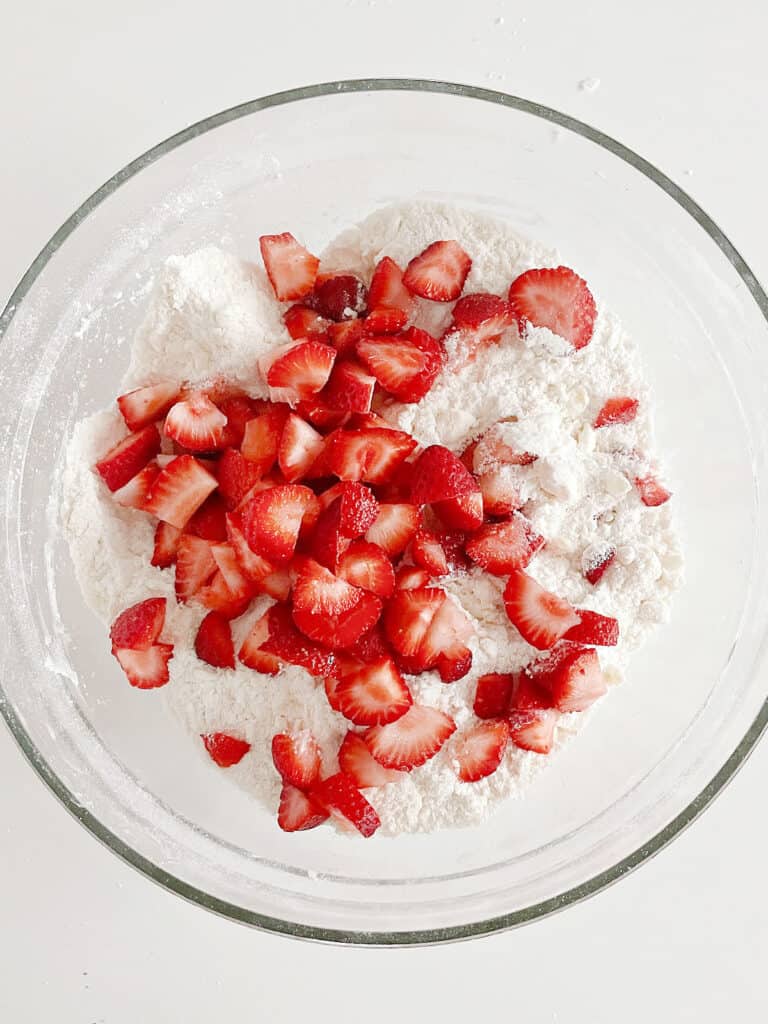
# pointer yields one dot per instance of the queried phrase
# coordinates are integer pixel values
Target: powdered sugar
(213, 316)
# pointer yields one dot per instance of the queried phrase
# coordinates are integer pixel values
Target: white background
(87, 85)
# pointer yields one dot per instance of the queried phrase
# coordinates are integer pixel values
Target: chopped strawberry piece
(427, 552)
(358, 509)
(444, 646)
(394, 527)
(210, 520)
(349, 388)
(596, 560)
(236, 476)
(327, 544)
(291, 269)
(296, 756)
(479, 751)
(387, 290)
(179, 490)
(367, 421)
(195, 565)
(317, 589)
(501, 495)
(278, 585)
(238, 409)
(213, 642)
(438, 474)
(439, 272)
(533, 729)
(145, 405)
(494, 449)
(342, 797)
(373, 694)
(572, 676)
(601, 630)
(250, 652)
(218, 596)
(464, 512)
(385, 320)
(368, 455)
(229, 566)
(526, 693)
(372, 646)
(314, 411)
(405, 365)
(410, 577)
(345, 335)
(128, 457)
(224, 749)
(411, 740)
(299, 448)
(261, 440)
(251, 565)
(134, 494)
(342, 297)
(484, 313)
(540, 617)
(557, 299)
(493, 694)
(272, 520)
(287, 643)
(146, 669)
(299, 811)
(302, 322)
(500, 548)
(300, 369)
(651, 492)
(367, 566)
(356, 761)
(408, 617)
(139, 626)
(196, 423)
(167, 539)
(330, 610)
(620, 409)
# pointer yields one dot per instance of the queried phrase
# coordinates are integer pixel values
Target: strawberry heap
(316, 500)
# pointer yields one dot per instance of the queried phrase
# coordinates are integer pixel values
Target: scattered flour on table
(212, 315)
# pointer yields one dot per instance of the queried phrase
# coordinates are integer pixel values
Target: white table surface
(86, 86)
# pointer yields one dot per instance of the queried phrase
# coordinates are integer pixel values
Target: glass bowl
(315, 160)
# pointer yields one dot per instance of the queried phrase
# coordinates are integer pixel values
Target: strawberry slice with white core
(444, 645)
(330, 610)
(251, 565)
(356, 761)
(371, 456)
(196, 423)
(427, 552)
(318, 589)
(621, 409)
(572, 677)
(139, 626)
(478, 752)
(651, 492)
(411, 740)
(557, 299)
(277, 585)
(145, 405)
(358, 508)
(439, 474)
(146, 669)
(218, 596)
(408, 617)
(250, 652)
(290, 267)
(128, 457)
(501, 493)
(409, 577)
(405, 365)
(367, 566)
(224, 749)
(374, 694)
(500, 548)
(272, 520)
(385, 320)
(236, 476)
(180, 490)
(287, 643)
(299, 811)
(195, 565)
(339, 297)
(213, 643)
(226, 560)
(394, 527)
(296, 757)
(594, 628)
(302, 322)
(299, 370)
(342, 797)
(261, 439)
(541, 618)
(349, 388)
(533, 729)
(595, 560)
(134, 494)
(167, 539)
(387, 290)
(238, 409)
(493, 694)
(299, 448)
(439, 272)
(345, 335)
(464, 512)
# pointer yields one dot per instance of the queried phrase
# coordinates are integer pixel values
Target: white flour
(212, 315)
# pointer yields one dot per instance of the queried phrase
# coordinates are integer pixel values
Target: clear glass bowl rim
(416, 937)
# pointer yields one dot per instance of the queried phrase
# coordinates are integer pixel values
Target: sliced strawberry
(486, 315)
(358, 508)
(179, 490)
(236, 476)
(218, 596)
(314, 411)
(298, 370)
(501, 495)
(296, 756)
(146, 669)
(167, 539)
(444, 646)
(368, 455)
(210, 520)
(372, 646)
(408, 617)
(134, 494)
(302, 322)
(139, 626)
(385, 320)
(342, 797)
(291, 269)
(410, 577)
(278, 585)
(345, 335)
(356, 761)
(439, 272)
(493, 694)
(527, 694)
(128, 457)
(500, 548)
(411, 740)
(405, 365)
(620, 409)
(596, 560)
(464, 512)
(224, 749)
(238, 409)
(479, 751)
(533, 729)
(330, 610)
(601, 630)
(367, 566)
(229, 566)
(651, 492)
(261, 440)
(349, 388)
(341, 297)
(195, 565)
(367, 420)
(196, 423)
(387, 290)
(394, 527)
(287, 643)
(299, 448)
(318, 589)
(250, 652)
(327, 544)
(572, 676)
(374, 694)
(145, 405)
(251, 565)
(557, 299)
(272, 520)
(213, 642)
(299, 811)
(438, 474)
(540, 617)
(427, 552)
